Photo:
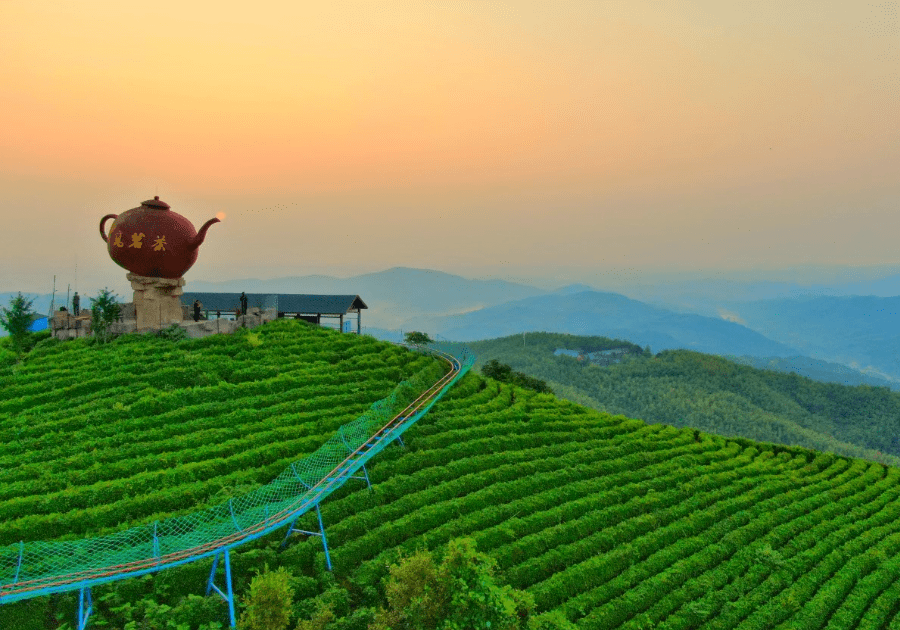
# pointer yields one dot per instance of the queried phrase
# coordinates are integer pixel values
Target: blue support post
(233, 519)
(400, 437)
(85, 608)
(321, 533)
(324, 540)
(211, 585)
(290, 530)
(19, 565)
(362, 478)
(365, 472)
(297, 475)
(230, 592)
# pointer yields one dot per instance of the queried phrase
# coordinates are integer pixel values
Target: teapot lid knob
(156, 203)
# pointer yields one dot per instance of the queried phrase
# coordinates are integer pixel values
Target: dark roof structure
(320, 304)
(301, 304)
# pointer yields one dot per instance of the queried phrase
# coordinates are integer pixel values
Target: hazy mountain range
(394, 295)
(822, 322)
(858, 331)
(607, 314)
(709, 296)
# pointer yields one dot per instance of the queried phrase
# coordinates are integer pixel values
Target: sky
(597, 140)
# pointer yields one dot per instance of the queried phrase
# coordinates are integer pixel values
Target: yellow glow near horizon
(660, 116)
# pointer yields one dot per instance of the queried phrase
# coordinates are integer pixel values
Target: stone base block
(121, 328)
(64, 325)
(207, 327)
(157, 301)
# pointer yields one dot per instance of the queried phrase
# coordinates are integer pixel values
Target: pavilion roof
(304, 304)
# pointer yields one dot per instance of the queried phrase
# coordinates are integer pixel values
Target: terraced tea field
(613, 522)
(94, 441)
(623, 524)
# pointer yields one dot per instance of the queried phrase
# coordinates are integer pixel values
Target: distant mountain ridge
(421, 299)
(705, 296)
(606, 314)
(404, 298)
(812, 320)
(860, 331)
(817, 370)
(393, 295)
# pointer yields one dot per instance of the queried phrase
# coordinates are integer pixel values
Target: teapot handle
(103, 222)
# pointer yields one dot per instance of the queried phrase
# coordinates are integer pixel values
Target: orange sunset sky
(589, 140)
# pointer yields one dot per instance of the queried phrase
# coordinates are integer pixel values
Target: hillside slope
(96, 439)
(817, 370)
(622, 524)
(713, 394)
(605, 519)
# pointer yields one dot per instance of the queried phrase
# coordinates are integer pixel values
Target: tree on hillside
(460, 592)
(268, 606)
(16, 320)
(105, 310)
(418, 338)
(504, 373)
(496, 370)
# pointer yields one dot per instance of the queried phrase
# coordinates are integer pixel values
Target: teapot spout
(201, 235)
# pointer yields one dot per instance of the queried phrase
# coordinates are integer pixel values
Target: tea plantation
(607, 520)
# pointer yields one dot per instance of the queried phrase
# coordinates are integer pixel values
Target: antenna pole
(52, 300)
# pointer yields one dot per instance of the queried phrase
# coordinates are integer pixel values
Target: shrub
(504, 373)
(105, 310)
(172, 333)
(268, 606)
(15, 320)
(418, 338)
(460, 593)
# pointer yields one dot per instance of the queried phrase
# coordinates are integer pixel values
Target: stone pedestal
(157, 301)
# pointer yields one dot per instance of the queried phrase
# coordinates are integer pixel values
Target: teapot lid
(156, 203)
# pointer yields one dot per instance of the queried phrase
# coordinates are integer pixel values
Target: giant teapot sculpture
(153, 241)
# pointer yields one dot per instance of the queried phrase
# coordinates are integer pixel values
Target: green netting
(38, 568)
